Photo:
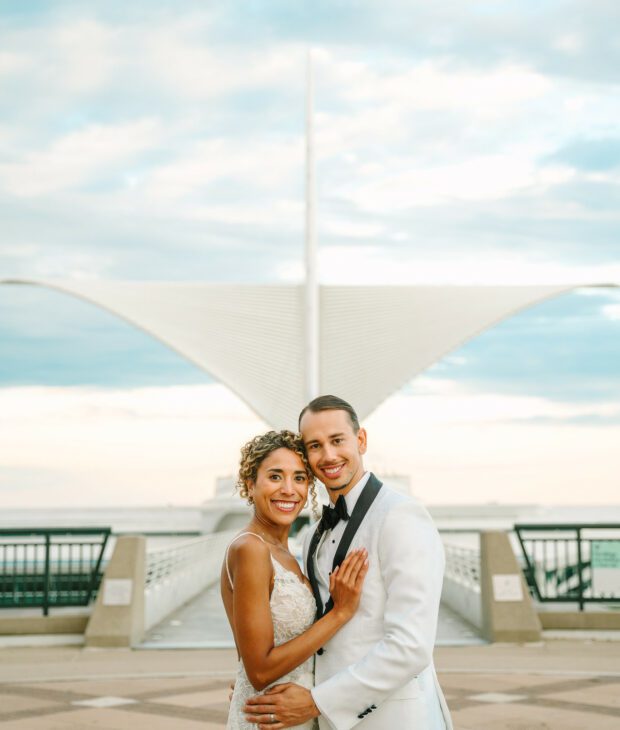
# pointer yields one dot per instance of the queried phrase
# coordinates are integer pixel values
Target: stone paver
(527, 717)
(11, 703)
(591, 695)
(546, 686)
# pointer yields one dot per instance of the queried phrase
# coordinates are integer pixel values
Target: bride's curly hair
(258, 449)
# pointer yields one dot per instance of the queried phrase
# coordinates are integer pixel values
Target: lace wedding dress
(293, 611)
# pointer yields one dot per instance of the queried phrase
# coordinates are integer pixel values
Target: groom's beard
(342, 486)
(339, 488)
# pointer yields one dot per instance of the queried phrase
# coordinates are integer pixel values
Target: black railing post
(579, 570)
(46, 577)
(531, 579)
(94, 576)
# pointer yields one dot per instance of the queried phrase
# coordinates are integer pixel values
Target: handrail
(37, 531)
(164, 561)
(49, 567)
(158, 533)
(176, 573)
(463, 565)
(560, 568)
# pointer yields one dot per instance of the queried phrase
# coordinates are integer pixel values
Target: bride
(268, 601)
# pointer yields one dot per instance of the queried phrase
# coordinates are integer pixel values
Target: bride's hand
(346, 581)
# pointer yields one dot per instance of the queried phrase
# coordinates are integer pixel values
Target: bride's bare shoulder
(248, 547)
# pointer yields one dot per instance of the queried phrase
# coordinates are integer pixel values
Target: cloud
(190, 69)
(260, 163)
(221, 167)
(140, 446)
(76, 158)
(12, 63)
(371, 264)
(611, 311)
(488, 178)
(85, 447)
(84, 55)
(555, 38)
(448, 402)
(438, 84)
(592, 155)
(462, 445)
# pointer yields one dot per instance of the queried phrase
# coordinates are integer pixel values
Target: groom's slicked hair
(331, 403)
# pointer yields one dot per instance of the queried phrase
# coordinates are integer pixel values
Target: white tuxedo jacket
(378, 669)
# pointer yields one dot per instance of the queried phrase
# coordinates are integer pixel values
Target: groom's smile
(332, 472)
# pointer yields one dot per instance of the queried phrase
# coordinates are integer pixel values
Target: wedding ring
(272, 717)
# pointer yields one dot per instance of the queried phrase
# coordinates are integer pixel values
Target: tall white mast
(311, 292)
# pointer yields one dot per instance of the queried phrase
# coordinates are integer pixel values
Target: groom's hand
(284, 705)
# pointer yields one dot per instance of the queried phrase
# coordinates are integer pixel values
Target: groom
(379, 667)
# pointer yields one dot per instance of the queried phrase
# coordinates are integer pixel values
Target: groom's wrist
(315, 708)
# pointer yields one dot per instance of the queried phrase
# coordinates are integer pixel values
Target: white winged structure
(252, 338)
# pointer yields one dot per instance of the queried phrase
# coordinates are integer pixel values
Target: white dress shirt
(327, 549)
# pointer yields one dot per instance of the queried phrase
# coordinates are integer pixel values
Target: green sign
(606, 554)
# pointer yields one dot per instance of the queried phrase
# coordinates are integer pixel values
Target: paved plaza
(554, 685)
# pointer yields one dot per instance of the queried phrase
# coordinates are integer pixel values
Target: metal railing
(177, 573)
(461, 590)
(50, 567)
(571, 563)
(162, 563)
(463, 565)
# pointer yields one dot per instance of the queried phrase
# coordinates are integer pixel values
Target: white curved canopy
(373, 339)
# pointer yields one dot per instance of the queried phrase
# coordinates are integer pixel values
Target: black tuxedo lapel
(366, 498)
(316, 538)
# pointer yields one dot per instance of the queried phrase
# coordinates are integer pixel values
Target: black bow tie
(332, 515)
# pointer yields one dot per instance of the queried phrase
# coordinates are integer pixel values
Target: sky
(456, 143)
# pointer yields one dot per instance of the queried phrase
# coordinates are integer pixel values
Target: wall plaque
(507, 587)
(117, 591)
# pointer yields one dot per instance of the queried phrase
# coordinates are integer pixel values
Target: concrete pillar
(118, 616)
(508, 613)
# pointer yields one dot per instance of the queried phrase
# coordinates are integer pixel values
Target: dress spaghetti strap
(241, 534)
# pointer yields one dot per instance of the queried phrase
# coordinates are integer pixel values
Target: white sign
(117, 591)
(507, 587)
(606, 568)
